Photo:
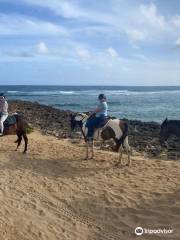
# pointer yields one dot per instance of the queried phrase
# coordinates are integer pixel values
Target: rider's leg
(93, 123)
(90, 125)
(2, 120)
(100, 121)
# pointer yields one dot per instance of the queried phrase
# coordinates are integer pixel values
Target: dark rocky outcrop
(143, 136)
(45, 118)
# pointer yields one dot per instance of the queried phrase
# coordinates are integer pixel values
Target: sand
(52, 193)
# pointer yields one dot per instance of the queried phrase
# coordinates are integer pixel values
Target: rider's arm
(97, 110)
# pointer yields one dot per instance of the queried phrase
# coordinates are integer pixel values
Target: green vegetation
(29, 129)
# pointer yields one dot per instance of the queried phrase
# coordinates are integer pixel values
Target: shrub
(29, 129)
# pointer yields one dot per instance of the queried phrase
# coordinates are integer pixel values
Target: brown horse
(15, 124)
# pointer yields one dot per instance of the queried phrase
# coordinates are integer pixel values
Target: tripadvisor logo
(139, 231)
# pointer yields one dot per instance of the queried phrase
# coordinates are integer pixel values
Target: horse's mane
(83, 114)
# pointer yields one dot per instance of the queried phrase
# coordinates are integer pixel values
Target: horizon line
(62, 85)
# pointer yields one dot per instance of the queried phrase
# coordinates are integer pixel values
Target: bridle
(81, 123)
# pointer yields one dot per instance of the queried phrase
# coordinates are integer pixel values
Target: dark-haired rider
(100, 115)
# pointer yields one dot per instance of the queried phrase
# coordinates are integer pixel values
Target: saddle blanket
(11, 120)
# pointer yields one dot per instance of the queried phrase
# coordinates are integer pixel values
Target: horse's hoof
(24, 152)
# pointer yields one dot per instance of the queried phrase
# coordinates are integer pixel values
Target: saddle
(10, 120)
(103, 123)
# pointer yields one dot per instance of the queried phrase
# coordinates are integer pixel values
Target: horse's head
(164, 132)
(77, 120)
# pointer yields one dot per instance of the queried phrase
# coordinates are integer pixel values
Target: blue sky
(90, 42)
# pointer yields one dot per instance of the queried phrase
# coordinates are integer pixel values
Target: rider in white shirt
(100, 115)
(3, 112)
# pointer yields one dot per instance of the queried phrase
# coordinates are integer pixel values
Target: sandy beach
(67, 68)
(52, 193)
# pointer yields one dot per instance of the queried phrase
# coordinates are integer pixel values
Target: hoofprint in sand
(52, 193)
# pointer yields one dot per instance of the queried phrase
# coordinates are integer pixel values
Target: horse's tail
(120, 141)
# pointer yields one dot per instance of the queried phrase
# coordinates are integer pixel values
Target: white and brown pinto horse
(113, 129)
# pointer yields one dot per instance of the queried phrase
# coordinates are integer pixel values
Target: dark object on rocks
(169, 128)
(169, 137)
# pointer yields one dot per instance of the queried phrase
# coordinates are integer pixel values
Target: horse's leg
(120, 156)
(92, 149)
(18, 141)
(25, 141)
(87, 150)
(102, 144)
(128, 150)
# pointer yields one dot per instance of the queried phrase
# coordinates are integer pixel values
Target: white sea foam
(12, 91)
(93, 92)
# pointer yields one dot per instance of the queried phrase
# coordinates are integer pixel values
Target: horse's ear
(165, 121)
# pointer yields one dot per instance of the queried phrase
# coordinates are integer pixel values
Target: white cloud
(70, 9)
(136, 35)
(178, 42)
(92, 33)
(126, 69)
(112, 52)
(138, 22)
(176, 21)
(82, 52)
(149, 12)
(42, 48)
(18, 24)
(65, 8)
(145, 24)
(141, 57)
(60, 7)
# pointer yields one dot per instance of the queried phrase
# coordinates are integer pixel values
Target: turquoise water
(143, 103)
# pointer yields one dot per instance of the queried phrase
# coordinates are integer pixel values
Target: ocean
(141, 103)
